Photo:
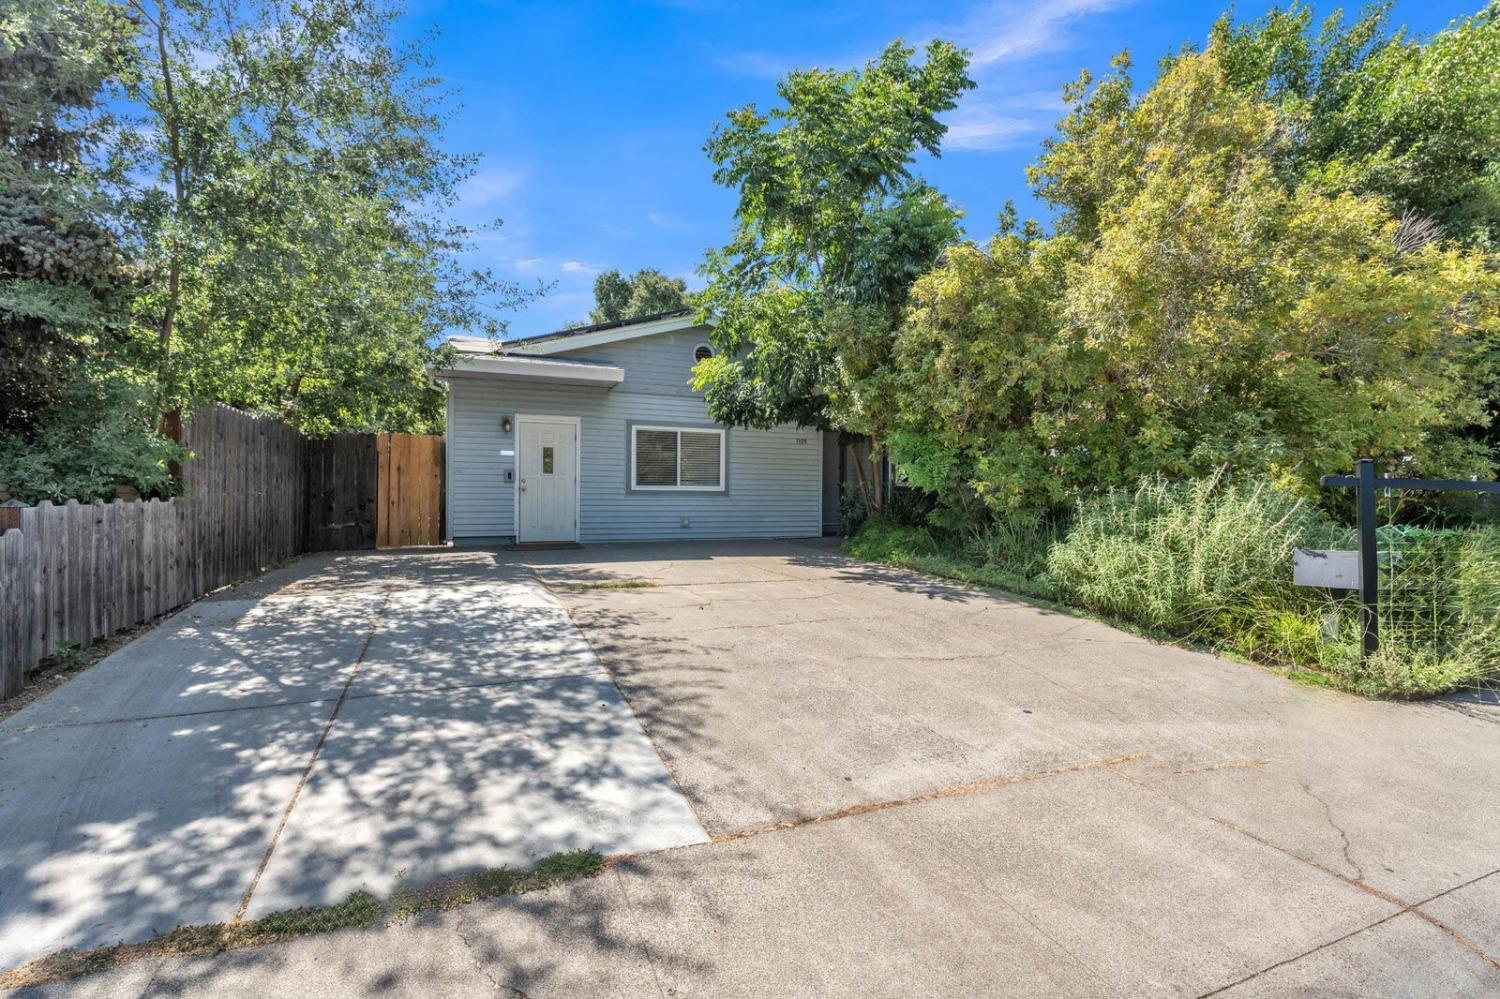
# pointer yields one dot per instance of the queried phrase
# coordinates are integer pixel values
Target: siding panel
(774, 477)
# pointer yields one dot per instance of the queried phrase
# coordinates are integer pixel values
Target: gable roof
(584, 336)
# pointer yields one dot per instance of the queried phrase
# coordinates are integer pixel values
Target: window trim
(723, 485)
(702, 346)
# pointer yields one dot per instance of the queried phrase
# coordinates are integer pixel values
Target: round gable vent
(702, 352)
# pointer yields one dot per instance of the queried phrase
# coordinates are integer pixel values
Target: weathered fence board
(76, 573)
(341, 487)
(256, 493)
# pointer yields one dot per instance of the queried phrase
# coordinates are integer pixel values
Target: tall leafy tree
(66, 276)
(831, 229)
(1413, 120)
(1202, 306)
(300, 220)
(78, 417)
(647, 292)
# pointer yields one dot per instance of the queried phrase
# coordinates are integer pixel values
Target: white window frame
(635, 428)
(702, 346)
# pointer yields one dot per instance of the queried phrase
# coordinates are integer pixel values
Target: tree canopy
(831, 228)
(647, 292)
(244, 203)
(300, 225)
(1201, 305)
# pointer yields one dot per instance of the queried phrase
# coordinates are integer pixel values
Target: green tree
(831, 229)
(66, 277)
(1199, 309)
(78, 418)
(299, 229)
(647, 292)
(1414, 121)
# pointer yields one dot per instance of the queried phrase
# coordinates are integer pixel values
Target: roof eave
(536, 371)
(559, 344)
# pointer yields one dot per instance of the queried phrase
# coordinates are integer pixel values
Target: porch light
(505, 424)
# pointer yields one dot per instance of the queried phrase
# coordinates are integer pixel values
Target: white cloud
(982, 126)
(574, 267)
(664, 221)
(530, 265)
(1011, 31)
(489, 186)
(1003, 121)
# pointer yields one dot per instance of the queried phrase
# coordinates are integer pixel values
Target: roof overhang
(508, 367)
(562, 343)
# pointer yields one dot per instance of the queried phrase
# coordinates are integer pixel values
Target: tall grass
(1212, 560)
(1188, 557)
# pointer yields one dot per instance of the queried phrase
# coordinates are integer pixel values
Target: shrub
(1188, 557)
(1212, 560)
(1019, 542)
(96, 438)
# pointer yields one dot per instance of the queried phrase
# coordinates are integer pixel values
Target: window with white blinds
(676, 458)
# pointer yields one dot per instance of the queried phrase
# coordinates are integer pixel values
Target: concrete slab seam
(312, 759)
(954, 790)
(1297, 957)
(442, 688)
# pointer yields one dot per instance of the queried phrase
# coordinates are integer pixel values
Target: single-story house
(594, 434)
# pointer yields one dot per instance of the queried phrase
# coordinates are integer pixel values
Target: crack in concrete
(480, 966)
(1359, 871)
(1401, 905)
(640, 933)
(1063, 686)
(1223, 765)
(756, 627)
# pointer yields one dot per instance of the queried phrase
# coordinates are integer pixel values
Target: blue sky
(591, 117)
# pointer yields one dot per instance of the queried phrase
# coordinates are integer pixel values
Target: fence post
(1369, 555)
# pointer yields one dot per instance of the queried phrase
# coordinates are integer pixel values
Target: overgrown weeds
(361, 910)
(1211, 561)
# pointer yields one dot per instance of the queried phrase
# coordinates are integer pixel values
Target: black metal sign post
(1365, 483)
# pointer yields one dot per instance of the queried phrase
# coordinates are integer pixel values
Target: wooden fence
(409, 486)
(255, 493)
(341, 493)
(76, 573)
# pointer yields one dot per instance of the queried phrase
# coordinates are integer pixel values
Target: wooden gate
(409, 490)
(341, 490)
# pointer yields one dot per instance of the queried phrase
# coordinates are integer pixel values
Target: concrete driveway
(915, 788)
(342, 724)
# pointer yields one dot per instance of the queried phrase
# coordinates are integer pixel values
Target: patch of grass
(617, 584)
(360, 910)
(916, 548)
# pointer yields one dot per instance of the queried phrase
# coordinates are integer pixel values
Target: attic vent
(702, 352)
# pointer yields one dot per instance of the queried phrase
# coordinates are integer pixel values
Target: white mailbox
(1334, 570)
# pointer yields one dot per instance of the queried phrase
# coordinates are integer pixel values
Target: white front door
(547, 486)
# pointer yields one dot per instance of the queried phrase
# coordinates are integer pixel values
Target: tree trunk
(171, 121)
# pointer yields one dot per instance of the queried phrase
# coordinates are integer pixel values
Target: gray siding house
(594, 434)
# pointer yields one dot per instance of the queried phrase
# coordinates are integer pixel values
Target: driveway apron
(345, 723)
